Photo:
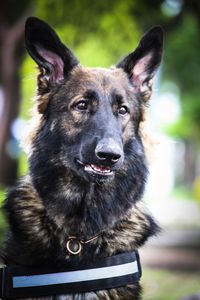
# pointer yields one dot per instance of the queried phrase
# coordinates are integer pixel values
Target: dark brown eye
(123, 110)
(81, 105)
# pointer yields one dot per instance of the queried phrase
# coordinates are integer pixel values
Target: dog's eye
(123, 110)
(82, 105)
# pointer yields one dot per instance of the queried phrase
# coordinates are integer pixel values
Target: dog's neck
(82, 206)
(47, 233)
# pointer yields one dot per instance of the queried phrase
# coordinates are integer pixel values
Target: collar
(110, 272)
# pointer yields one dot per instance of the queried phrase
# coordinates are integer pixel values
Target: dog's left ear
(54, 59)
(141, 64)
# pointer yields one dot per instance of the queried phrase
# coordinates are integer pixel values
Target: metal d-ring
(74, 242)
(70, 245)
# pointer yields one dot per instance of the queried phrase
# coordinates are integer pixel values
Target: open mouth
(94, 169)
(101, 170)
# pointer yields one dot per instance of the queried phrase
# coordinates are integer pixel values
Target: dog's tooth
(88, 168)
(96, 167)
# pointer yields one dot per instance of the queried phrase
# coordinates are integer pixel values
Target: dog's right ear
(141, 64)
(54, 59)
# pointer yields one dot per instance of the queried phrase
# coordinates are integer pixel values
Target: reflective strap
(106, 273)
(75, 276)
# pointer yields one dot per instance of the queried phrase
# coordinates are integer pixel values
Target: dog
(87, 162)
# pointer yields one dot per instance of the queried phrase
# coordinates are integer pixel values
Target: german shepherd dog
(87, 161)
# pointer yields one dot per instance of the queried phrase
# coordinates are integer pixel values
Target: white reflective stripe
(75, 276)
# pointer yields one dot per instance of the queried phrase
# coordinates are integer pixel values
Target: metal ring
(71, 251)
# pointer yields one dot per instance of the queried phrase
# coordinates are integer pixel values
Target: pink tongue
(101, 168)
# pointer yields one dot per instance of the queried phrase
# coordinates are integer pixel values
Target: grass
(169, 285)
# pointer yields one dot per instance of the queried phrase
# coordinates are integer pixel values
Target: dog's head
(90, 116)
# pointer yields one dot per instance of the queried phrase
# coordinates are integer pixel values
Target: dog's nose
(108, 150)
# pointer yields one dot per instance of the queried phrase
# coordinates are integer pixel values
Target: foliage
(182, 63)
(103, 31)
(169, 285)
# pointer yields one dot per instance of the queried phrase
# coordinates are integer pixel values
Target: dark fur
(58, 198)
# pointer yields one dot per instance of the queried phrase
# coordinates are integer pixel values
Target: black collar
(110, 272)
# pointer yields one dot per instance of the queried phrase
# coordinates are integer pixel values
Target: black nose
(108, 150)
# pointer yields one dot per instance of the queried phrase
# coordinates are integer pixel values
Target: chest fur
(35, 238)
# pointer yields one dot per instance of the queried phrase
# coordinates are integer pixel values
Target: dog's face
(91, 119)
(91, 115)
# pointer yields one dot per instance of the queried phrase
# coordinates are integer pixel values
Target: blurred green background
(100, 32)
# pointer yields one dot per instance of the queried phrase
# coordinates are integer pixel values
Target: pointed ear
(141, 64)
(54, 59)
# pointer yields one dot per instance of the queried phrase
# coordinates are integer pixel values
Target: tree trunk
(190, 163)
(10, 60)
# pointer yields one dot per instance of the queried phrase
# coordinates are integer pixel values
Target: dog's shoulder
(133, 230)
(143, 223)
(28, 225)
(23, 198)
(26, 215)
